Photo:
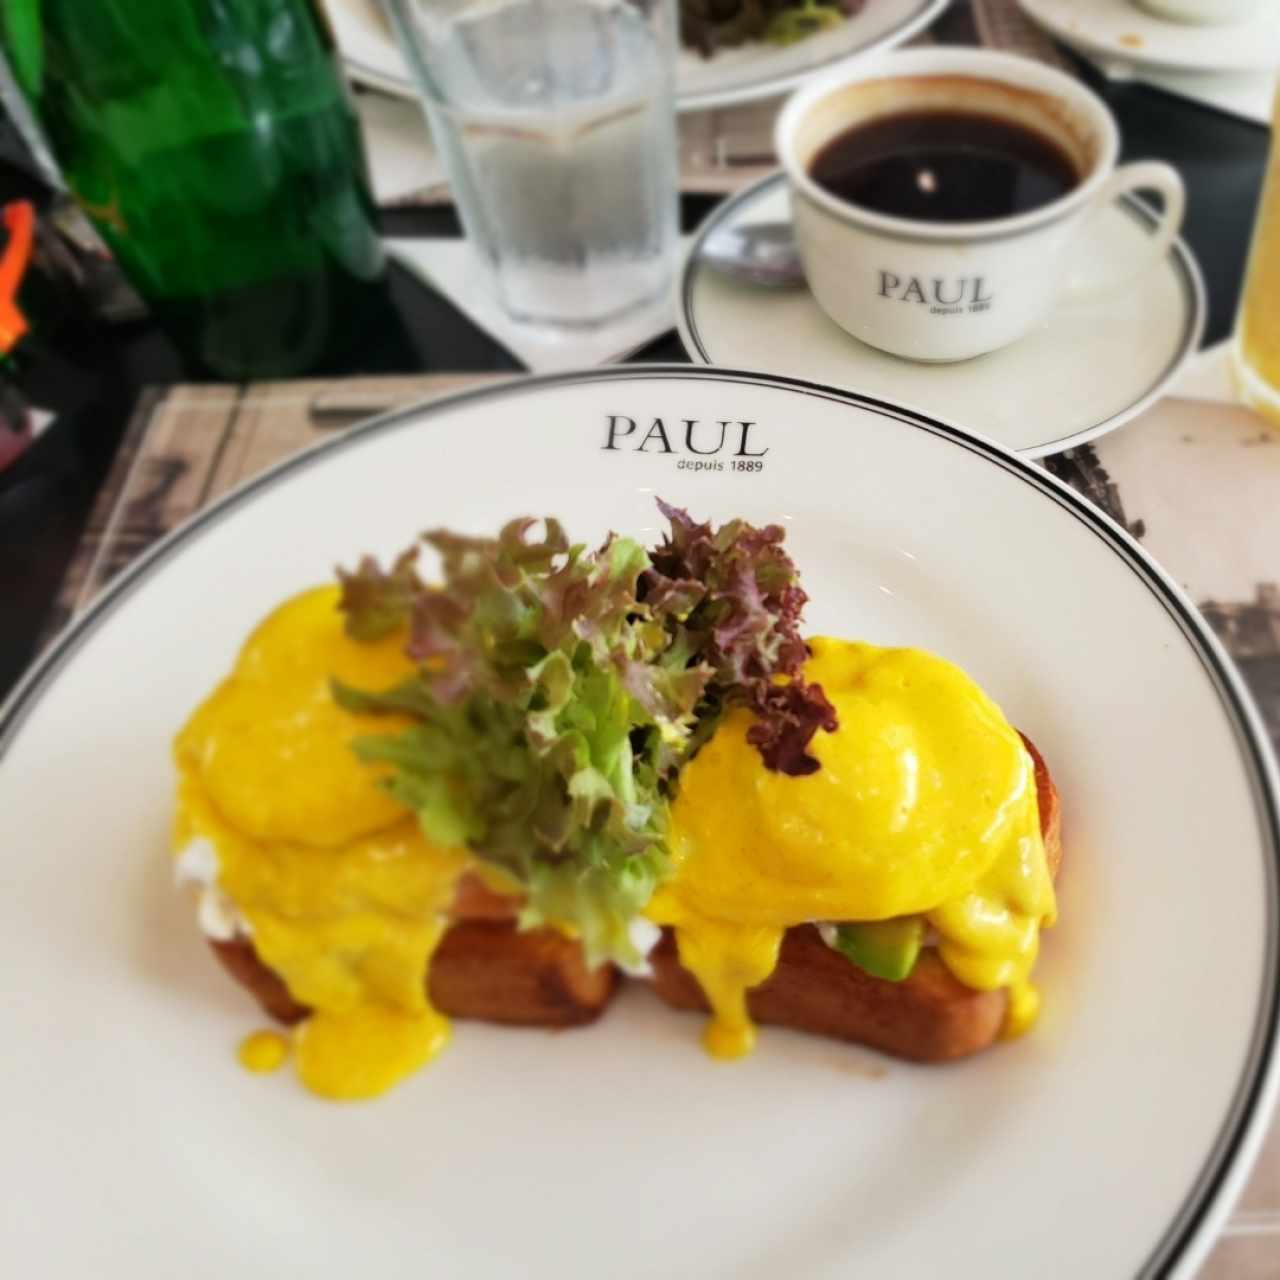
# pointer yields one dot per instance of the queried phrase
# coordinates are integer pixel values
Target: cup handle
(1143, 175)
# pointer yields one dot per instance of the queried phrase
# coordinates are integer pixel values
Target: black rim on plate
(1218, 1164)
(1188, 273)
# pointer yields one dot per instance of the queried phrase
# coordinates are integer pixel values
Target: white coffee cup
(952, 290)
(1204, 12)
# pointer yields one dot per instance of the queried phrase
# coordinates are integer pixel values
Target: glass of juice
(556, 122)
(1256, 345)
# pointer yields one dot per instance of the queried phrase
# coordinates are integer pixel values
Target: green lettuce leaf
(377, 603)
(733, 595)
(558, 690)
(549, 708)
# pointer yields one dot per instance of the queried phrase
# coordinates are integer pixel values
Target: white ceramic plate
(1108, 1143)
(1088, 369)
(1122, 33)
(733, 76)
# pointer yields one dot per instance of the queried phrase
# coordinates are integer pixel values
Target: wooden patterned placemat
(187, 445)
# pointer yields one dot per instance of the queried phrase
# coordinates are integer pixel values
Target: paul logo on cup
(938, 196)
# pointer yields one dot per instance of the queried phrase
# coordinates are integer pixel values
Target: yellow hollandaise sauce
(263, 1051)
(342, 895)
(925, 804)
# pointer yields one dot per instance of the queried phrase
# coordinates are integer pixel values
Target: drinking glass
(1256, 346)
(556, 122)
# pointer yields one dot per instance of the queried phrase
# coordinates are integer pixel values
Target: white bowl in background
(1208, 13)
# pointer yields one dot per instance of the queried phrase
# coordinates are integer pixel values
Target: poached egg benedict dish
(922, 823)
(332, 879)
(557, 765)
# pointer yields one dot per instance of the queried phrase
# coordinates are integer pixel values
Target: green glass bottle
(213, 145)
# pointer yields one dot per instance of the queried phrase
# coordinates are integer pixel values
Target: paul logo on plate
(704, 444)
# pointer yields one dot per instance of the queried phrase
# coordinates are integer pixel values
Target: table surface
(98, 383)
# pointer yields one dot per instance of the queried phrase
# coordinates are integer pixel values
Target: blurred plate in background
(731, 77)
(1117, 31)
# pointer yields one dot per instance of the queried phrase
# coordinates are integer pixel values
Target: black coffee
(944, 166)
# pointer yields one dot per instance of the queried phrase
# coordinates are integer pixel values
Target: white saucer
(1084, 372)
(1121, 33)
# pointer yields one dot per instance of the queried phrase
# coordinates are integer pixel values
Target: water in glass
(557, 125)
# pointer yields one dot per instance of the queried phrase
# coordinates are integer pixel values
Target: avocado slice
(883, 948)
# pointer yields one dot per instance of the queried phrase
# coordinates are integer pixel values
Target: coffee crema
(944, 165)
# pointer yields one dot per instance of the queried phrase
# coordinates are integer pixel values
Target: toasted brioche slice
(539, 978)
(928, 1017)
(484, 968)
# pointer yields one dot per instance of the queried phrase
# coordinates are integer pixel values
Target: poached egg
(924, 805)
(341, 893)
